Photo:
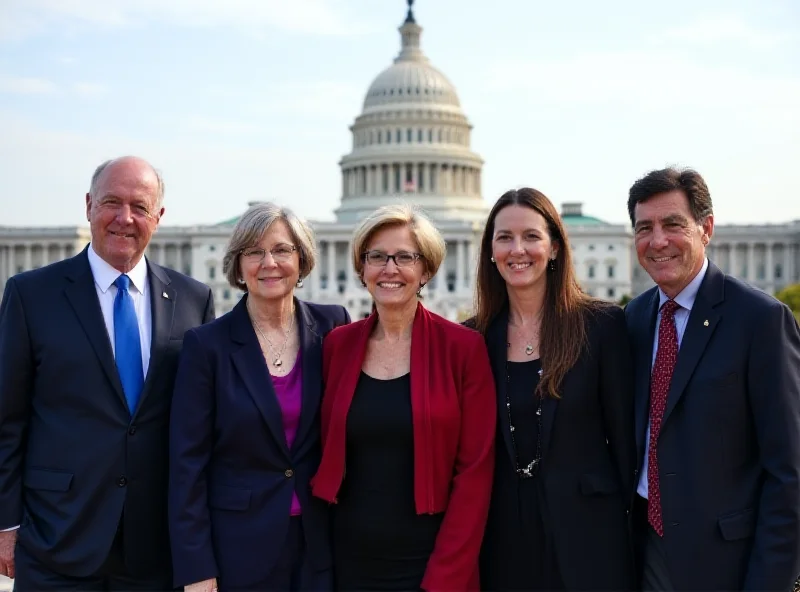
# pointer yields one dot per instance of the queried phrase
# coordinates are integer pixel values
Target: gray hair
(99, 171)
(429, 241)
(252, 226)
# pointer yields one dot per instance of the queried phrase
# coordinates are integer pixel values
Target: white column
(28, 257)
(769, 272)
(734, 262)
(788, 266)
(751, 261)
(331, 267)
(472, 263)
(460, 275)
(344, 183)
(349, 273)
(3, 264)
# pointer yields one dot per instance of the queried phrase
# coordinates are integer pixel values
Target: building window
(380, 137)
(419, 136)
(760, 271)
(385, 178)
(440, 136)
(409, 135)
(430, 136)
(610, 247)
(778, 271)
(398, 136)
(388, 136)
(591, 247)
(212, 272)
(433, 177)
(212, 248)
(610, 271)
(421, 176)
(226, 294)
(187, 270)
(591, 271)
(610, 292)
(397, 179)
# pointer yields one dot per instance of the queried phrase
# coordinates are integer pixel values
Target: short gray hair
(429, 241)
(99, 171)
(252, 226)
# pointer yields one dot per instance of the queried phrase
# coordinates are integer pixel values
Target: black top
(524, 559)
(380, 543)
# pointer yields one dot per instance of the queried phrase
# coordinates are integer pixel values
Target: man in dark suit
(717, 407)
(88, 355)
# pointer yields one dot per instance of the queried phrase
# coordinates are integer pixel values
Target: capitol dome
(411, 142)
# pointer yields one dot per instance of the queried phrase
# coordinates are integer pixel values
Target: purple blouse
(289, 391)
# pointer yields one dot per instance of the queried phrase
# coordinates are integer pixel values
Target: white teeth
(389, 285)
(661, 259)
(519, 265)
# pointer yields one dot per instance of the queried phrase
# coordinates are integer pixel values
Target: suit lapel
(700, 327)
(82, 296)
(644, 342)
(249, 362)
(496, 343)
(162, 309)
(311, 356)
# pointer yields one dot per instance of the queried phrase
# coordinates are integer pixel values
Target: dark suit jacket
(588, 463)
(729, 448)
(232, 474)
(72, 459)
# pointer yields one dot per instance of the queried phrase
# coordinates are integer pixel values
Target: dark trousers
(32, 576)
(292, 571)
(650, 552)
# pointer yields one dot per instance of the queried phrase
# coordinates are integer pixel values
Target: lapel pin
(705, 323)
(165, 295)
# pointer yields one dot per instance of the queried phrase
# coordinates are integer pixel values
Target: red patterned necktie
(666, 356)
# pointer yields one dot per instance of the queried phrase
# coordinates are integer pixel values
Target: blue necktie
(127, 347)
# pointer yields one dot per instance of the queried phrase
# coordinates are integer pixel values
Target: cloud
(27, 86)
(90, 90)
(648, 79)
(732, 29)
(24, 18)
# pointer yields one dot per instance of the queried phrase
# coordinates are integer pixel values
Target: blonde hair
(429, 242)
(252, 226)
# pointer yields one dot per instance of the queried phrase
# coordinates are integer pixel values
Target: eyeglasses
(280, 253)
(380, 259)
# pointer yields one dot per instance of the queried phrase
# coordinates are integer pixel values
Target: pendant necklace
(277, 361)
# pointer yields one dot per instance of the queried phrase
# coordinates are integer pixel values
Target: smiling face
(389, 285)
(269, 279)
(521, 247)
(124, 212)
(670, 243)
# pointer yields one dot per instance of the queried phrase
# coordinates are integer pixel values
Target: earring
(419, 291)
(240, 281)
(552, 265)
(299, 282)
(492, 259)
(363, 283)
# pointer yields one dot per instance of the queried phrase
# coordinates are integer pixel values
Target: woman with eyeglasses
(408, 424)
(244, 432)
(566, 461)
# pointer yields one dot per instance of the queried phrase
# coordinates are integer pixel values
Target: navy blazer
(73, 462)
(588, 463)
(729, 448)
(232, 474)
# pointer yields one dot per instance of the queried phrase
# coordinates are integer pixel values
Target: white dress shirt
(104, 277)
(686, 301)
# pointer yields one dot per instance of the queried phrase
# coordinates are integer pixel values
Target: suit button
(123, 481)
(289, 473)
(635, 472)
(132, 430)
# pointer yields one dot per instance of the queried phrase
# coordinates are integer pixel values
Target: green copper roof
(571, 220)
(228, 222)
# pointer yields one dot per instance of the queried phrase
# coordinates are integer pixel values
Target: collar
(105, 274)
(688, 295)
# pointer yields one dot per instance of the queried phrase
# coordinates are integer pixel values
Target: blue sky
(251, 99)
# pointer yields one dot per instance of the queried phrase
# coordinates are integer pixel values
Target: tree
(790, 296)
(624, 300)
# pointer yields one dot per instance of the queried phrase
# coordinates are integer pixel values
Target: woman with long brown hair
(565, 464)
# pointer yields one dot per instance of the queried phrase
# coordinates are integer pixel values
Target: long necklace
(277, 361)
(529, 471)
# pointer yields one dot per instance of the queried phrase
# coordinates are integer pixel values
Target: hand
(204, 586)
(8, 540)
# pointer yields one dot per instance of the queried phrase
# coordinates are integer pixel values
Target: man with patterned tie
(717, 504)
(88, 354)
